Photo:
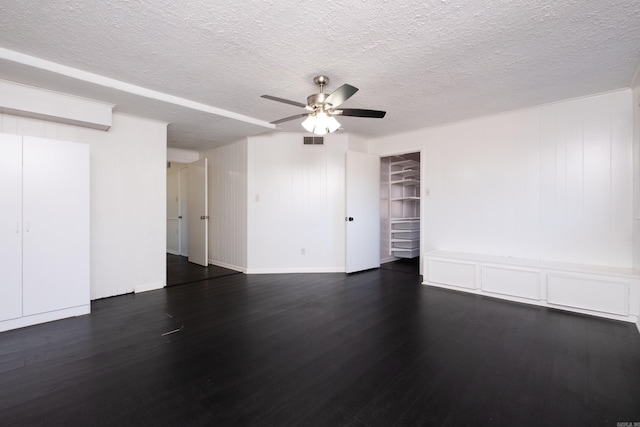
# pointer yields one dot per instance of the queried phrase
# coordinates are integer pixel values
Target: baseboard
(50, 316)
(228, 266)
(148, 287)
(173, 252)
(388, 259)
(539, 303)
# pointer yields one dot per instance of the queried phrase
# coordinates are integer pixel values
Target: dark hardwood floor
(375, 348)
(180, 271)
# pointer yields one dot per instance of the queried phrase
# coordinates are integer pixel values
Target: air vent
(313, 140)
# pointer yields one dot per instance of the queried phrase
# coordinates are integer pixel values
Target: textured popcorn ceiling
(424, 62)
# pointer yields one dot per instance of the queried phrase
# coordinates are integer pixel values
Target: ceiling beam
(42, 64)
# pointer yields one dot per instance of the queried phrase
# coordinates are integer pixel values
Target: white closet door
(56, 225)
(11, 226)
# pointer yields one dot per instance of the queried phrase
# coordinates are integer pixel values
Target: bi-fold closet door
(11, 226)
(44, 231)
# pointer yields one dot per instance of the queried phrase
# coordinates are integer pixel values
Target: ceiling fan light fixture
(309, 123)
(321, 123)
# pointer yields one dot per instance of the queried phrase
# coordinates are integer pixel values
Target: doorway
(177, 209)
(400, 214)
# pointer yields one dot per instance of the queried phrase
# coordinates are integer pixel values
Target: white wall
(552, 182)
(635, 105)
(296, 203)
(227, 183)
(128, 205)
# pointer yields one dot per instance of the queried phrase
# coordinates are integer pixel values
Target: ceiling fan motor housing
(316, 101)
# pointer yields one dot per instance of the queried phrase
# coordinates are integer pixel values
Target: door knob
(349, 218)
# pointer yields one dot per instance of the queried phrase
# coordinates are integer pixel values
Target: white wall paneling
(610, 292)
(595, 293)
(551, 182)
(636, 171)
(296, 204)
(452, 272)
(128, 198)
(48, 200)
(519, 282)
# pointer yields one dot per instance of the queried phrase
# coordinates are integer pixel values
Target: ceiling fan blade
(286, 101)
(356, 112)
(286, 119)
(340, 95)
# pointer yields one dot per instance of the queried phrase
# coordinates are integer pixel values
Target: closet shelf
(405, 164)
(406, 199)
(406, 182)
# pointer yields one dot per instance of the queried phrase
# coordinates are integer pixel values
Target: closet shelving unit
(404, 200)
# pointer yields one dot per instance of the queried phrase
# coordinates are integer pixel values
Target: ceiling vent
(313, 140)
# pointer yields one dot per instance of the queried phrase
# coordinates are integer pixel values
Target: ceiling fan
(322, 108)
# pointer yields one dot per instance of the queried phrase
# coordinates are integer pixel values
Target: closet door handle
(349, 218)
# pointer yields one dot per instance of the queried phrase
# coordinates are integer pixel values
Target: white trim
(28, 101)
(50, 316)
(227, 266)
(148, 287)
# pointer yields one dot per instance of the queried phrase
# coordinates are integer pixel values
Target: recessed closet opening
(400, 210)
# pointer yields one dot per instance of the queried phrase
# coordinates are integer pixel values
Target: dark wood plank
(180, 271)
(375, 348)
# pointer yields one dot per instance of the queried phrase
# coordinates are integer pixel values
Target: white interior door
(56, 215)
(183, 223)
(198, 213)
(363, 211)
(11, 226)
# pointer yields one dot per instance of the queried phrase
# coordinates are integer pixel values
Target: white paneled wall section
(636, 171)
(128, 198)
(296, 204)
(552, 182)
(228, 205)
